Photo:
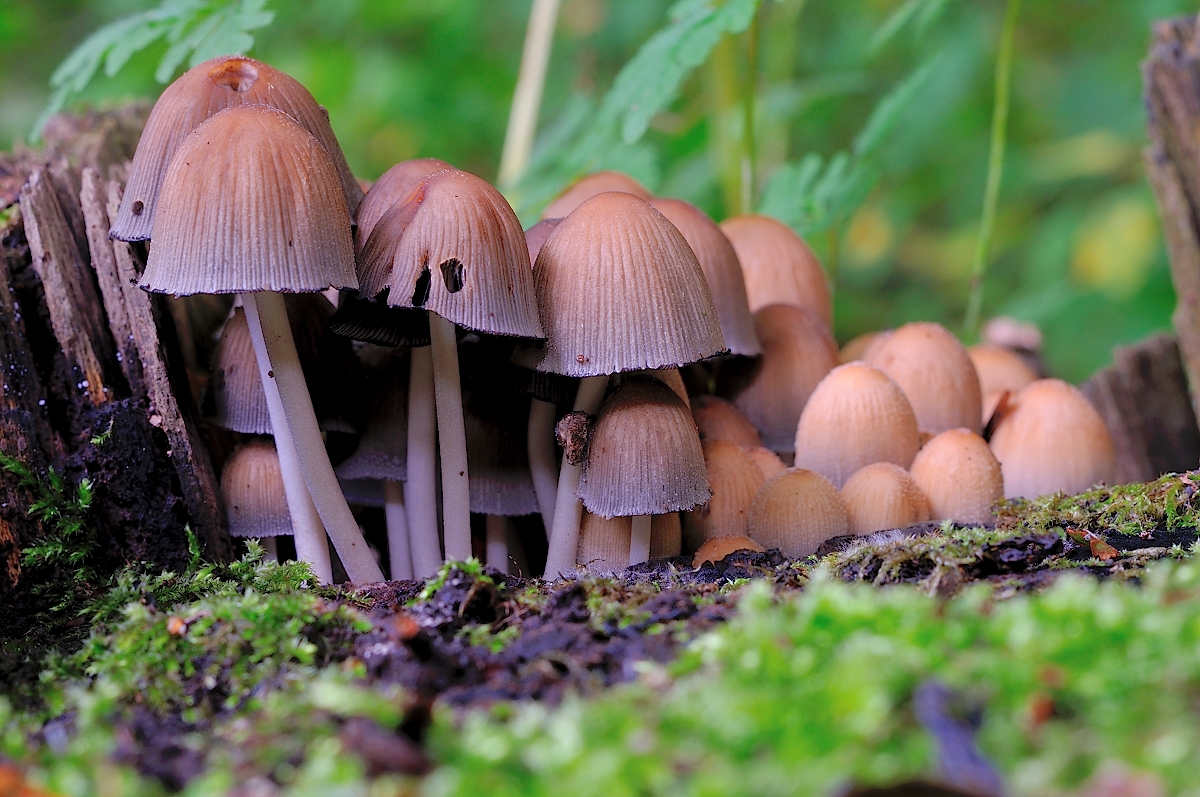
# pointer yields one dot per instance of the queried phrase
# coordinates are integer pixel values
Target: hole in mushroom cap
(138, 207)
(236, 74)
(421, 289)
(452, 274)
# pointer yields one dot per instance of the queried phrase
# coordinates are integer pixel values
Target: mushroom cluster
(641, 380)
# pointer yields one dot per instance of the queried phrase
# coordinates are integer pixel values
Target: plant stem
(543, 467)
(749, 163)
(396, 518)
(452, 439)
(420, 487)
(527, 96)
(497, 542)
(991, 196)
(639, 539)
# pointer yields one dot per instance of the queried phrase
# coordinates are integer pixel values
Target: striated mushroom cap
(252, 485)
(644, 457)
(1000, 370)
(796, 511)
(718, 548)
(587, 187)
(767, 460)
(393, 187)
(1052, 440)
(455, 248)
(735, 479)
(883, 496)
(604, 542)
(620, 290)
(717, 419)
(856, 416)
(203, 91)
(798, 352)
(236, 390)
(959, 475)
(251, 202)
(382, 451)
(720, 264)
(498, 455)
(778, 266)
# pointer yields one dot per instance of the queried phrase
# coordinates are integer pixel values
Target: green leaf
(891, 109)
(920, 12)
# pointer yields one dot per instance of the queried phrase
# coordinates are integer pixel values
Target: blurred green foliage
(1078, 248)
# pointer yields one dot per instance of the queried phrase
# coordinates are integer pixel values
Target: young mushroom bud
(883, 496)
(796, 511)
(252, 485)
(592, 185)
(718, 548)
(778, 266)
(1001, 370)
(735, 479)
(717, 419)
(857, 348)
(959, 476)
(767, 460)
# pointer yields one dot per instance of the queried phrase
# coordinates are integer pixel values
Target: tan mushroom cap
(856, 348)
(239, 402)
(717, 419)
(251, 202)
(392, 187)
(587, 187)
(621, 290)
(959, 475)
(798, 351)
(604, 542)
(201, 92)
(935, 372)
(778, 266)
(718, 548)
(735, 479)
(722, 270)
(1052, 440)
(883, 496)
(767, 460)
(644, 457)
(796, 511)
(454, 248)
(1000, 370)
(856, 416)
(252, 485)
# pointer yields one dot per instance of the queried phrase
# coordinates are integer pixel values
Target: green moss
(1164, 504)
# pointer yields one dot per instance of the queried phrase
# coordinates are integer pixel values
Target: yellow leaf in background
(869, 237)
(1115, 247)
(1092, 154)
(943, 255)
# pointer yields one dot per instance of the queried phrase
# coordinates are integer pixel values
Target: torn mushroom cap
(393, 187)
(454, 248)
(735, 479)
(620, 290)
(959, 475)
(201, 92)
(1052, 440)
(1000, 370)
(587, 187)
(798, 351)
(497, 455)
(796, 511)
(644, 457)
(604, 542)
(767, 460)
(720, 264)
(883, 496)
(718, 548)
(382, 451)
(717, 419)
(252, 485)
(778, 266)
(251, 202)
(935, 372)
(856, 416)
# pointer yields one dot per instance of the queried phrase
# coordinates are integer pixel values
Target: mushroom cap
(672, 379)
(798, 351)
(201, 92)
(621, 290)
(252, 485)
(393, 187)
(604, 542)
(236, 390)
(778, 266)
(587, 187)
(720, 264)
(856, 416)
(735, 479)
(644, 457)
(455, 248)
(796, 511)
(856, 348)
(1000, 370)
(717, 419)
(767, 460)
(382, 451)
(498, 455)
(537, 235)
(251, 202)
(935, 372)
(1052, 440)
(959, 475)
(883, 496)
(717, 548)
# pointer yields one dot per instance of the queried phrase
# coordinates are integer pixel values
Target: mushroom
(252, 486)
(883, 496)
(204, 90)
(735, 479)
(717, 419)
(252, 204)
(778, 266)
(767, 460)
(935, 372)
(958, 473)
(620, 290)
(1001, 370)
(856, 416)
(798, 352)
(718, 548)
(857, 348)
(644, 458)
(796, 511)
(604, 542)
(1051, 440)
(587, 187)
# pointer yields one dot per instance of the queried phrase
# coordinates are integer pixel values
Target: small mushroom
(587, 187)
(883, 496)
(778, 266)
(604, 542)
(255, 500)
(717, 419)
(958, 473)
(735, 479)
(1001, 370)
(857, 348)
(796, 511)
(718, 548)
(767, 460)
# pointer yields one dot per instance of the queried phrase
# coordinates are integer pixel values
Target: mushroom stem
(639, 540)
(452, 436)
(497, 542)
(420, 488)
(568, 511)
(307, 530)
(397, 530)
(542, 463)
(278, 363)
(270, 549)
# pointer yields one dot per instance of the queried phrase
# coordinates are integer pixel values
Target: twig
(527, 97)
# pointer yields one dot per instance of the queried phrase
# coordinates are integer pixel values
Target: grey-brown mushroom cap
(252, 486)
(498, 458)
(393, 187)
(235, 389)
(201, 92)
(382, 451)
(589, 186)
